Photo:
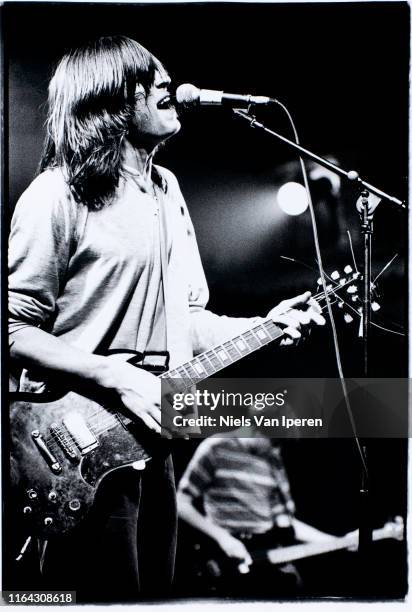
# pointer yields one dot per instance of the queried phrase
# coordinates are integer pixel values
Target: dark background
(342, 70)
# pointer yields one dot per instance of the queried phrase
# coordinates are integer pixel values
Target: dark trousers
(125, 549)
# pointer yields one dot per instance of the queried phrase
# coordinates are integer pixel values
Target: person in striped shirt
(243, 488)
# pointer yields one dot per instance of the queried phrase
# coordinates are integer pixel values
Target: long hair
(92, 98)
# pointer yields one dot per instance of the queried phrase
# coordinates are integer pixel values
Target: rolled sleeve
(39, 249)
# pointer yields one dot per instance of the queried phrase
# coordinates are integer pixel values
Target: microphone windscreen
(187, 94)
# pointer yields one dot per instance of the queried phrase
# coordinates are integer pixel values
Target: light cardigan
(92, 278)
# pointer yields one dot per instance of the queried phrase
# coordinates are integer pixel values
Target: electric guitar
(63, 444)
(212, 566)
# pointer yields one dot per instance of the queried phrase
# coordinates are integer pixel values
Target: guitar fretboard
(301, 551)
(208, 363)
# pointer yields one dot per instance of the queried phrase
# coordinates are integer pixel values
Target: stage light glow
(292, 198)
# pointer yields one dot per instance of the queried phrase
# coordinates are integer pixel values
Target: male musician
(240, 482)
(103, 256)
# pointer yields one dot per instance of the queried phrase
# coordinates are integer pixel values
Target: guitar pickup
(80, 432)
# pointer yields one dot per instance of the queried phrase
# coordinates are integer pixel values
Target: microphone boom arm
(350, 175)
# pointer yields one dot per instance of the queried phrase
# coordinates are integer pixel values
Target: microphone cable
(324, 288)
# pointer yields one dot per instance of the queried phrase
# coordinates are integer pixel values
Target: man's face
(155, 116)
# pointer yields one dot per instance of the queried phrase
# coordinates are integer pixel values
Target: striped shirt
(242, 483)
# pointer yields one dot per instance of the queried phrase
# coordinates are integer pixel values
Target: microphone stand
(365, 527)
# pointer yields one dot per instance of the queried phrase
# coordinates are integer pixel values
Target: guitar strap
(163, 242)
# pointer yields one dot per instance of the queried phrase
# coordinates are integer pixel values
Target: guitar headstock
(394, 529)
(344, 289)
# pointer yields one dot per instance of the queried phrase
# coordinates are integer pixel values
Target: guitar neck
(301, 551)
(208, 363)
(260, 334)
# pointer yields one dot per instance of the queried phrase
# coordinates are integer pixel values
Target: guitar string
(102, 420)
(356, 312)
(377, 325)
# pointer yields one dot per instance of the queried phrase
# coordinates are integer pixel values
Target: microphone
(188, 95)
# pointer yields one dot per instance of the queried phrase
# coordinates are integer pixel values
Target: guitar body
(53, 479)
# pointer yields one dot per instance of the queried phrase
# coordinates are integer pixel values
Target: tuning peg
(319, 281)
(355, 275)
(342, 281)
(399, 527)
(335, 275)
(341, 304)
(347, 318)
(352, 289)
(375, 306)
(354, 298)
(360, 330)
(348, 269)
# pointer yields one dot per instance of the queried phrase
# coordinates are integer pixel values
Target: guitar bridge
(51, 460)
(62, 439)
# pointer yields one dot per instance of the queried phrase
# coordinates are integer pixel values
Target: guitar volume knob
(32, 494)
(74, 505)
(27, 510)
(48, 521)
(52, 496)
